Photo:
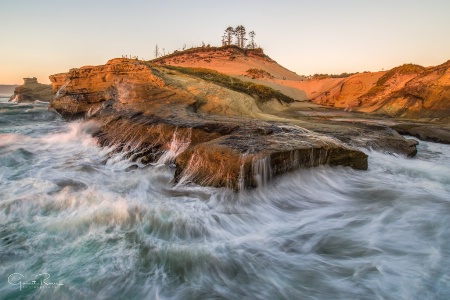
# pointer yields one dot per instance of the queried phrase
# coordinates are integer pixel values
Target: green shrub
(258, 73)
(342, 75)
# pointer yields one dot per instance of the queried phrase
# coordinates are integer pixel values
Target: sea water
(77, 222)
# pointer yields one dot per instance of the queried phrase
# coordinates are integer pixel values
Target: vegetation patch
(197, 104)
(324, 76)
(264, 93)
(258, 73)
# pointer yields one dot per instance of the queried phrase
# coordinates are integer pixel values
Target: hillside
(426, 95)
(407, 91)
(230, 60)
(236, 62)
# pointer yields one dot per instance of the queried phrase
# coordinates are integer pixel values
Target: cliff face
(31, 90)
(86, 88)
(341, 92)
(425, 95)
(408, 91)
(213, 135)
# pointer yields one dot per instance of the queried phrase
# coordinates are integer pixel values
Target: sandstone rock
(223, 153)
(407, 91)
(362, 135)
(85, 88)
(31, 90)
(439, 133)
(212, 135)
(425, 96)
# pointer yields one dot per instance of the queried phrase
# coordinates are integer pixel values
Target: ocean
(80, 222)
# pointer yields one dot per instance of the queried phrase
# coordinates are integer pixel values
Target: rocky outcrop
(426, 95)
(85, 89)
(439, 133)
(341, 92)
(408, 91)
(226, 153)
(212, 135)
(31, 91)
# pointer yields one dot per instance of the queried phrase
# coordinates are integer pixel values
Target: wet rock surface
(439, 133)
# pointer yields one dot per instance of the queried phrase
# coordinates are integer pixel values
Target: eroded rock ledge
(212, 135)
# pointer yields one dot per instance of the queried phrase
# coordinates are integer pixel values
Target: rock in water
(213, 135)
(31, 91)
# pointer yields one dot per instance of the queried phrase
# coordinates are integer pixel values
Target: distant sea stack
(32, 90)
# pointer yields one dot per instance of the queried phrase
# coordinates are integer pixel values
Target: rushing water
(103, 230)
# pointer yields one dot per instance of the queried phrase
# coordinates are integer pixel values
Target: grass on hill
(264, 93)
(324, 76)
(258, 73)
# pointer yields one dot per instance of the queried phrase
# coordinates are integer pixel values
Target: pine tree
(229, 32)
(240, 36)
(156, 51)
(252, 35)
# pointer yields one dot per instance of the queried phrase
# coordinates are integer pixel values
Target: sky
(40, 38)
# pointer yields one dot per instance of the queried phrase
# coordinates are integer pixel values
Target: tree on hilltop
(240, 36)
(229, 32)
(252, 44)
(156, 51)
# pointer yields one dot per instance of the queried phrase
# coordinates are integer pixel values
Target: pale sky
(40, 38)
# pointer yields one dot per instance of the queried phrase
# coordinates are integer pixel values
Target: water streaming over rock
(75, 212)
(262, 171)
(61, 91)
(177, 145)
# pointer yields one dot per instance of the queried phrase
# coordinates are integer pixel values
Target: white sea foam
(79, 213)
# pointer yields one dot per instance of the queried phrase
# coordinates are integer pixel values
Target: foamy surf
(103, 230)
